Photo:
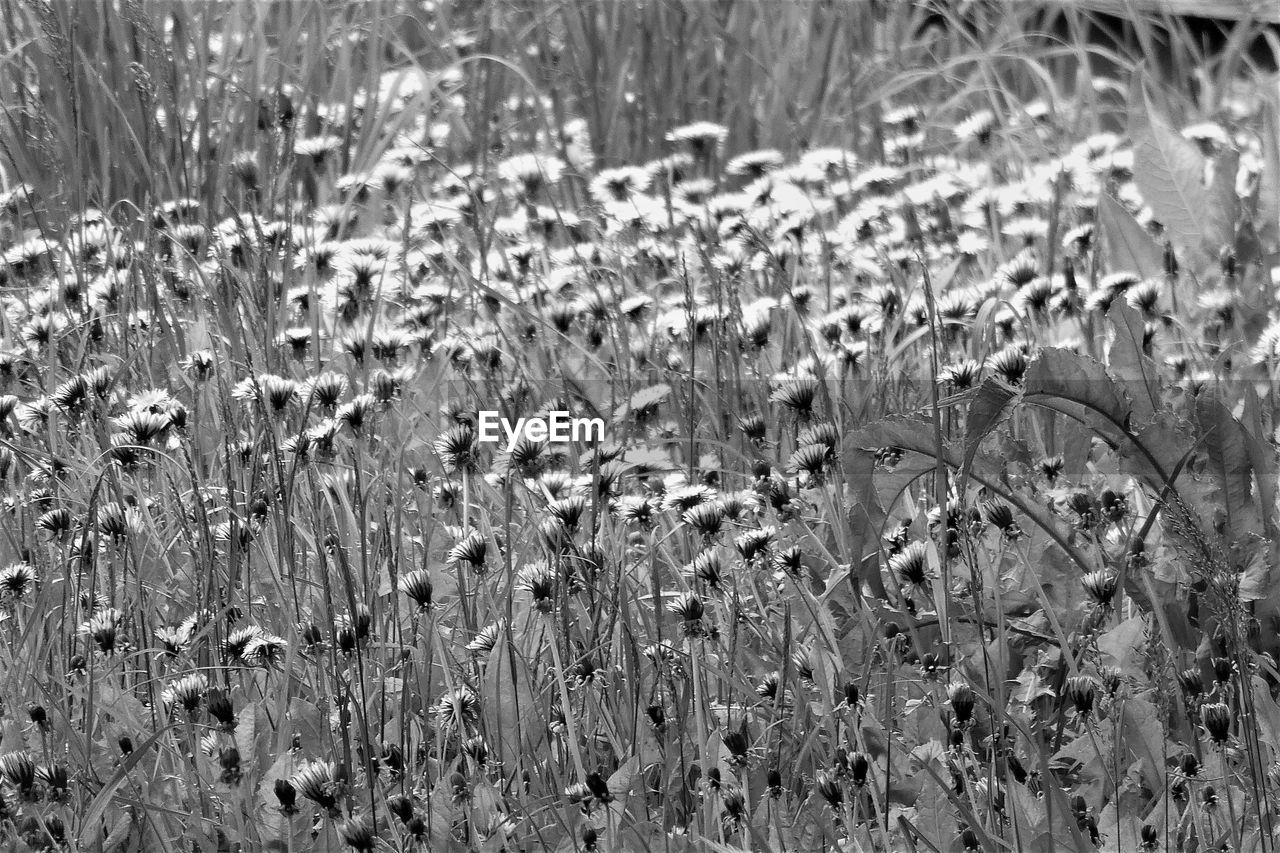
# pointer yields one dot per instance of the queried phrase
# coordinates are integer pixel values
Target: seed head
(962, 700)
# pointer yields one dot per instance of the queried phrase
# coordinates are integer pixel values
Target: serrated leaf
(1079, 388)
(1125, 243)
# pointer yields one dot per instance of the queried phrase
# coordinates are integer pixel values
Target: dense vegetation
(937, 505)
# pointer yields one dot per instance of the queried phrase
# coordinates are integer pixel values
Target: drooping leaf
(871, 493)
(1079, 388)
(1125, 243)
(622, 780)
(1159, 450)
(914, 435)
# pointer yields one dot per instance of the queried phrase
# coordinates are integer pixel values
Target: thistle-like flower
(356, 413)
(456, 448)
(706, 518)
(690, 610)
(318, 782)
(486, 639)
(472, 550)
(326, 391)
(357, 833)
(1082, 690)
(417, 585)
(540, 581)
(911, 565)
(458, 710)
(754, 545)
(1010, 364)
(186, 693)
(798, 395)
(1216, 717)
(812, 461)
(707, 567)
(1101, 587)
(103, 628)
(702, 138)
(19, 770)
(829, 788)
(17, 580)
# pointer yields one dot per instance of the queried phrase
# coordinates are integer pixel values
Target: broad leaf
(1224, 204)
(1269, 182)
(1125, 243)
(915, 436)
(1142, 736)
(1226, 445)
(508, 704)
(1079, 388)
(935, 817)
(1130, 364)
(988, 408)
(1169, 171)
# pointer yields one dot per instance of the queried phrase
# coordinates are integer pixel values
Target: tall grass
(143, 99)
(275, 611)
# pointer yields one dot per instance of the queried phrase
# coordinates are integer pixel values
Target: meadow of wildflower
(935, 350)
